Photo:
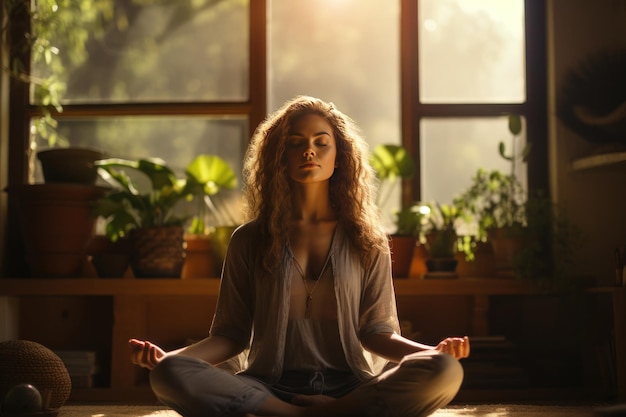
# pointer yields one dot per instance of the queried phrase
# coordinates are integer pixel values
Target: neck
(311, 203)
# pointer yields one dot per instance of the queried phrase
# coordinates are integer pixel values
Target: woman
(306, 298)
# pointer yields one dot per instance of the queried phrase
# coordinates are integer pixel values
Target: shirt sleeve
(234, 309)
(378, 311)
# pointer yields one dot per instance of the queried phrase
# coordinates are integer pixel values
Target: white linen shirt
(253, 310)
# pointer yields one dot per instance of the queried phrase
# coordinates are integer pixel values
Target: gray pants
(418, 386)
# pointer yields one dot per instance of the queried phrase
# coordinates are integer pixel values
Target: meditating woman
(306, 315)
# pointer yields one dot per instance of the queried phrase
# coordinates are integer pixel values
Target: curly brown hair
(352, 186)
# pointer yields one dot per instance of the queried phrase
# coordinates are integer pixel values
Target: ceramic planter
(57, 224)
(402, 249)
(199, 257)
(109, 259)
(69, 165)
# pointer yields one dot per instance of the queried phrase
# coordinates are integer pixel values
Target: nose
(309, 153)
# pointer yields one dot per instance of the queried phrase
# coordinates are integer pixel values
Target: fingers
(459, 347)
(143, 353)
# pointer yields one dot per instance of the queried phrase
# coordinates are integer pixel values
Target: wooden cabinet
(102, 314)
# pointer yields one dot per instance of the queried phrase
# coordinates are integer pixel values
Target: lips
(309, 165)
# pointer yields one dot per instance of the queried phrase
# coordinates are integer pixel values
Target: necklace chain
(309, 294)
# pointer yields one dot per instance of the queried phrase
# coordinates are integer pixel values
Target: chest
(311, 246)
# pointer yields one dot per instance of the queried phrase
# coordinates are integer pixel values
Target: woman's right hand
(144, 353)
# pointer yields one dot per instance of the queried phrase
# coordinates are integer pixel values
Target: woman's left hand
(459, 347)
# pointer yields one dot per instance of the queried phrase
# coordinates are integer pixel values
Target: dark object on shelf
(591, 99)
(27, 362)
(109, 259)
(69, 165)
(441, 268)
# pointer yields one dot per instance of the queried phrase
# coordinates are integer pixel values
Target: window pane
(454, 149)
(177, 140)
(149, 51)
(332, 49)
(471, 51)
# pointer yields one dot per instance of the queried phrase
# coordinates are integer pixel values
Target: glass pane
(177, 140)
(146, 51)
(344, 51)
(471, 51)
(330, 49)
(454, 149)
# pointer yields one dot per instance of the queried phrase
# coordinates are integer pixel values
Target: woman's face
(311, 149)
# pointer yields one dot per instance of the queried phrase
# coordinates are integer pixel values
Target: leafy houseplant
(441, 237)
(130, 212)
(48, 89)
(392, 163)
(497, 201)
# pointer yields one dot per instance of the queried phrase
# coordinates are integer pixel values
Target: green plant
(552, 242)
(391, 164)
(206, 176)
(126, 208)
(409, 220)
(496, 199)
(440, 230)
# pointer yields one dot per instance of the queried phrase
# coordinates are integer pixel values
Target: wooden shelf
(132, 299)
(210, 286)
(108, 286)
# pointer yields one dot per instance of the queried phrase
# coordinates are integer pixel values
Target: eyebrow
(323, 132)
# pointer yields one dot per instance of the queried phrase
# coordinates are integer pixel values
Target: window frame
(534, 109)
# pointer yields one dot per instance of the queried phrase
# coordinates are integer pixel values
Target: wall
(593, 198)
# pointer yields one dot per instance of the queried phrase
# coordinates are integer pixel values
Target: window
(164, 79)
(172, 79)
(466, 65)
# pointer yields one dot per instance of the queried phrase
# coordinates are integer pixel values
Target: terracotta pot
(507, 247)
(402, 249)
(157, 252)
(69, 165)
(199, 257)
(109, 259)
(481, 266)
(57, 224)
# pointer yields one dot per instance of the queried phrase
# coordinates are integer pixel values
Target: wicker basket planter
(157, 252)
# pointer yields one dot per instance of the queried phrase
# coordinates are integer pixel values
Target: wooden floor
(477, 410)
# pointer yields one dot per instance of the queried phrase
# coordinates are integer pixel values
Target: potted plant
(441, 238)
(405, 238)
(497, 202)
(149, 218)
(392, 163)
(205, 245)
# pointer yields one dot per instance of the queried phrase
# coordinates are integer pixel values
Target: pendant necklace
(309, 294)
